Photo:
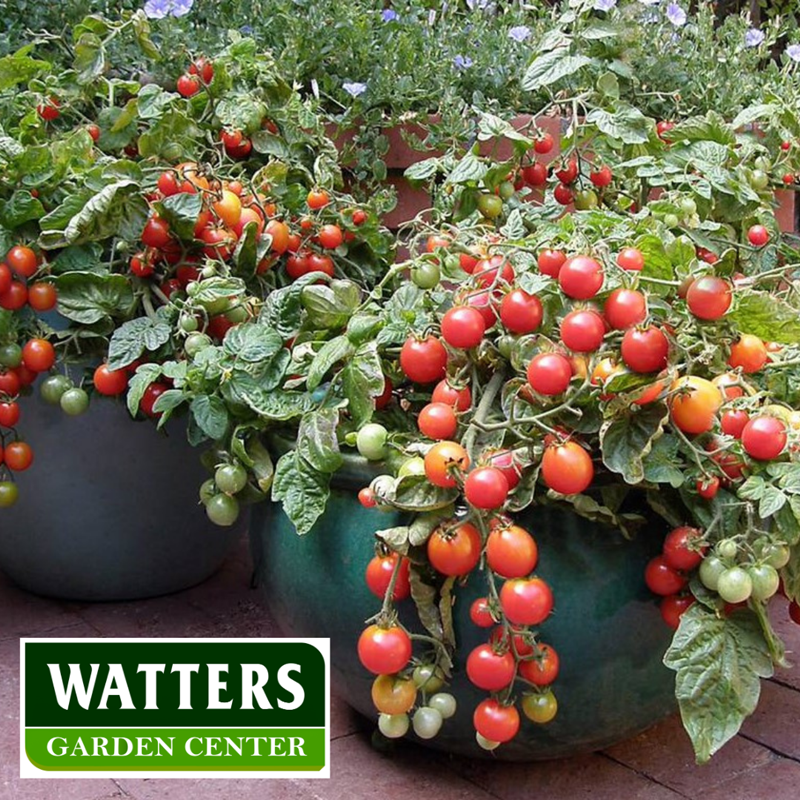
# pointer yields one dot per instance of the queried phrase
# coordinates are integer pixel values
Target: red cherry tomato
(580, 277)
(526, 601)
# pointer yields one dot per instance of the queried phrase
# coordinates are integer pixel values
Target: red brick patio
(761, 763)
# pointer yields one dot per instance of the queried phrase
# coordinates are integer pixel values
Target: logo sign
(201, 708)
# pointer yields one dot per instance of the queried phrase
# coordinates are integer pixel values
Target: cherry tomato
(504, 461)
(151, 394)
(18, 456)
(455, 552)
(583, 331)
(580, 277)
(9, 494)
(511, 552)
(49, 109)
(758, 235)
(764, 437)
(672, 608)
(15, 297)
(496, 722)
(489, 271)
(490, 670)
(42, 296)
(481, 614)
(423, 360)
(544, 143)
(601, 177)
(625, 308)
(110, 382)
(393, 695)
(367, 497)
(156, 233)
(38, 355)
(5, 278)
(22, 260)
(330, 236)
(384, 650)
(540, 708)
(463, 327)
(694, 403)
(549, 373)
(437, 421)
(486, 488)
(682, 549)
(749, 353)
(733, 421)
(228, 208)
(568, 171)
(317, 262)
(563, 195)
(188, 85)
(317, 198)
(645, 349)
(709, 297)
(9, 383)
(550, 262)
(204, 68)
(631, 259)
(526, 601)
(459, 399)
(535, 174)
(519, 642)
(735, 585)
(567, 468)
(379, 573)
(707, 488)
(521, 312)
(236, 144)
(9, 414)
(542, 669)
(663, 579)
(443, 461)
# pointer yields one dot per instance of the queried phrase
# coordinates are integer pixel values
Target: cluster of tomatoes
(18, 284)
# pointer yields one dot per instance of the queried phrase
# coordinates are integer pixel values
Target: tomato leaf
(627, 440)
(662, 463)
(211, 415)
(303, 490)
(87, 298)
(330, 354)
(144, 376)
(768, 317)
(316, 440)
(551, 67)
(252, 342)
(132, 338)
(362, 381)
(181, 211)
(719, 661)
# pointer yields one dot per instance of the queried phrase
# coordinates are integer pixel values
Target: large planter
(109, 509)
(606, 626)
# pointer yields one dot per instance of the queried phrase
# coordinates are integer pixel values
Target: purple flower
(520, 33)
(354, 89)
(604, 5)
(157, 9)
(753, 37)
(793, 51)
(389, 15)
(462, 62)
(676, 15)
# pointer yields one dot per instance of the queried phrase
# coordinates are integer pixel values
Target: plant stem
(478, 421)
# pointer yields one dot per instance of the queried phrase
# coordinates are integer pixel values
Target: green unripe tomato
(413, 466)
(688, 206)
(490, 205)
(393, 726)
(188, 324)
(671, 220)
(207, 490)
(371, 441)
(505, 345)
(427, 722)
(585, 200)
(9, 494)
(237, 314)
(10, 355)
(74, 402)
(231, 478)
(426, 275)
(734, 585)
(444, 703)
(506, 190)
(765, 581)
(428, 678)
(759, 179)
(727, 548)
(208, 271)
(540, 708)
(53, 387)
(710, 569)
(192, 288)
(762, 164)
(222, 510)
(486, 744)
(777, 555)
(195, 343)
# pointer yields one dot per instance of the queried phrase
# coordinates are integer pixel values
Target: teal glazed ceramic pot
(606, 625)
(109, 509)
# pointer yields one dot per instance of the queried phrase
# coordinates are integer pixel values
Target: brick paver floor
(762, 763)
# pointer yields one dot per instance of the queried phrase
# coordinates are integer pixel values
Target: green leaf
(283, 310)
(87, 297)
(662, 463)
(330, 306)
(627, 124)
(19, 67)
(718, 660)
(330, 354)
(551, 67)
(240, 111)
(712, 127)
(768, 317)
(750, 114)
(469, 170)
(132, 338)
(423, 170)
(252, 342)
(90, 58)
(514, 227)
(245, 256)
(771, 501)
(491, 126)
(657, 264)
(316, 440)
(181, 211)
(144, 376)
(275, 405)
(21, 207)
(211, 415)
(627, 440)
(363, 380)
(303, 490)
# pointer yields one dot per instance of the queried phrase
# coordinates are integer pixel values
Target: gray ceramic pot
(109, 509)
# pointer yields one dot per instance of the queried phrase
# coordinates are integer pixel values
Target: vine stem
(478, 421)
